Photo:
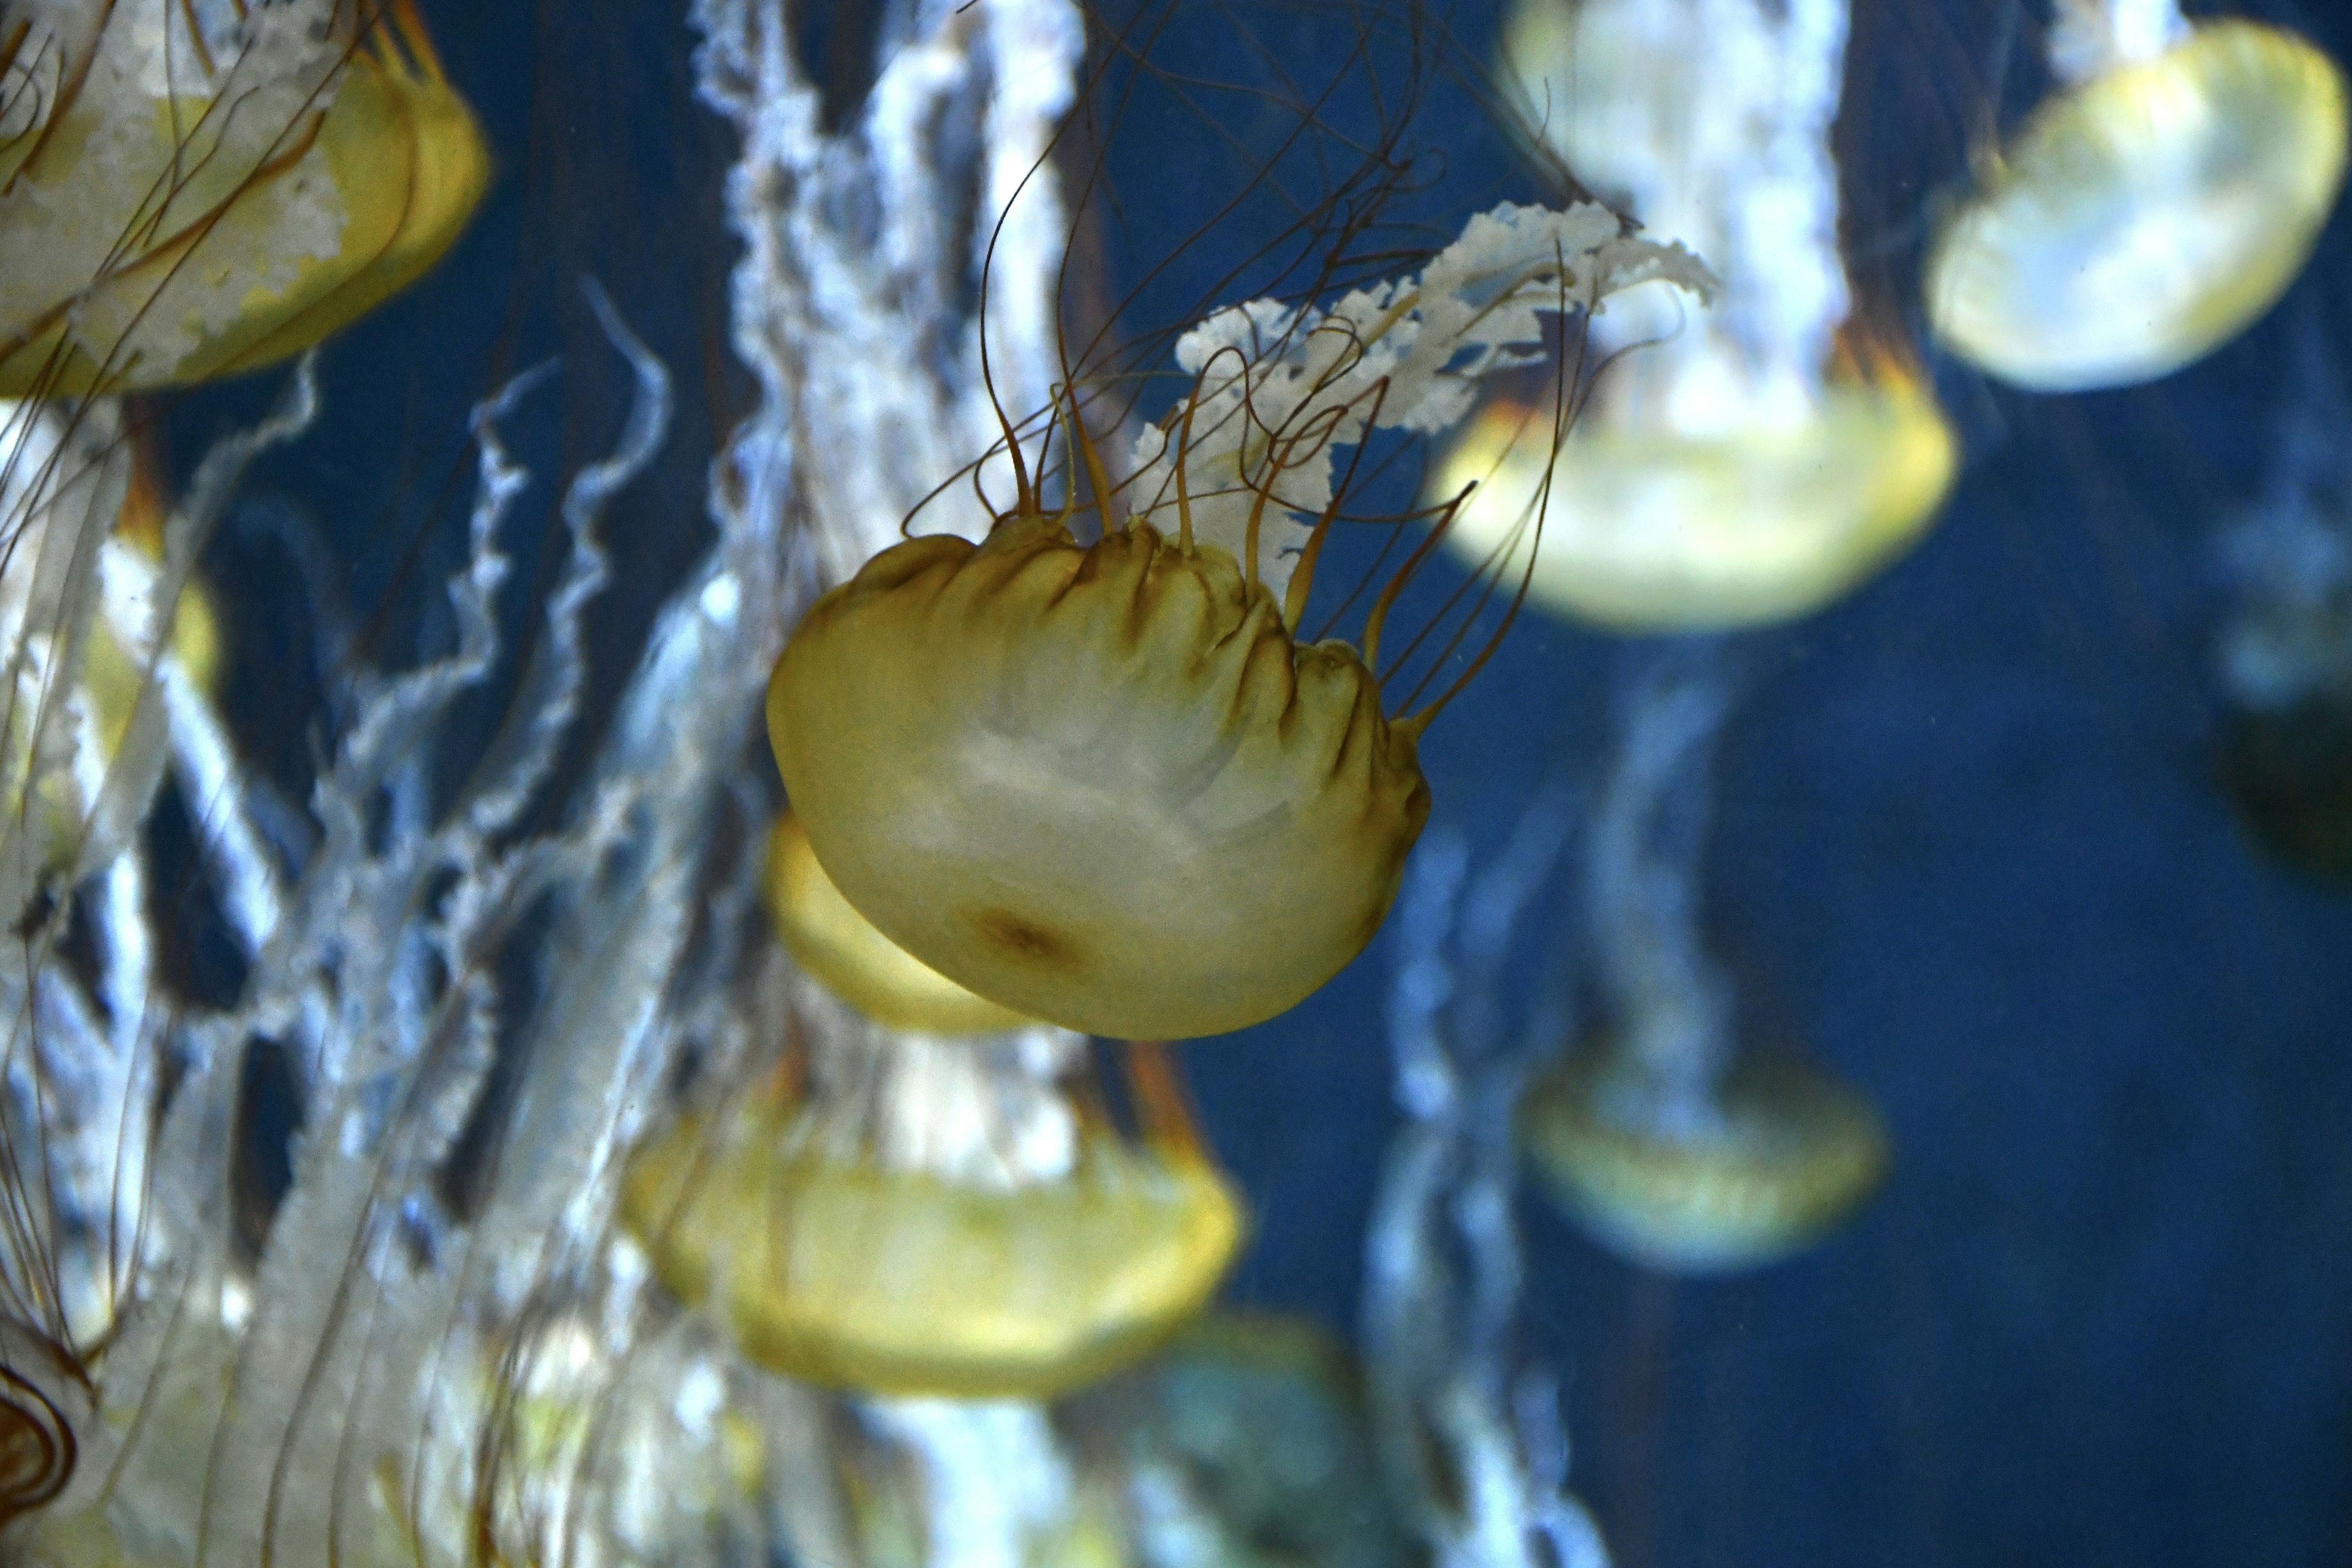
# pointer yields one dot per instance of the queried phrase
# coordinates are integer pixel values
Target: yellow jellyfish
(1665, 1142)
(1780, 1157)
(837, 1270)
(1742, 468)
(829, 938)
(1105, 785)
(182, 200)
(1648, 527)
(2149, 212)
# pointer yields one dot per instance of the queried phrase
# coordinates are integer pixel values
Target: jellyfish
(931, 1223)
(192, 190)
(1105, 785)
(2284, 652)
(2148, 212)
(833, 942)
(1664, 1143)
(1738, 467)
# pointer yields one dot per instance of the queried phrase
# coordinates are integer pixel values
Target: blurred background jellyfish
(2157, 204)
(191, 189)
(934, 1218)
(2283, 650)
(1736, 467)
(1665, 1140)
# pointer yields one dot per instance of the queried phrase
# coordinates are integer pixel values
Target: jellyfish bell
(1738, 468)
(1100, 784)
(828, 938)
(1643, 521)
(2145, 216)
(1109, 785)
(1778, 1157)
(193, 191)
(852, 1273)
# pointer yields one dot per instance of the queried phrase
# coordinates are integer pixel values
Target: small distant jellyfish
(195, 189)
(1662, 1139)
(2283, 654)
(2151, 210)
(1106, 785)
(840, 1262)
(840, 947)
(1739, 466)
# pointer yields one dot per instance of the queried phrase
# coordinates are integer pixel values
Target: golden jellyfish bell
(1648, 528)
(1100, 785)
(2147, 215)
(1782, 1156)
(156, 231)
(828, 938)
(844, 1273)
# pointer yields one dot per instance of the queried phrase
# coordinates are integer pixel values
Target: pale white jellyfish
(2150, 210)
(1748, 464)
(1660, 1136)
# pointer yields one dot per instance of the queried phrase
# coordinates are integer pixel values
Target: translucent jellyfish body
(845, 1271)
(828, 938)
(1740, 468)
(193, 191)
(1639, 526)
(1664, 1139)
(1106, 785)
(2147, 215)
(1779, 1157)
(1100, 785)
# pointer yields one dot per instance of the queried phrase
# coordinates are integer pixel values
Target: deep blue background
(1969, 850)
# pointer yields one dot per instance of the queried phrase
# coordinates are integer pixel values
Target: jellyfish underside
(2146, 217)
(1780, 1156)
(134, 261)
(1100, 786)
(897, 1283)
(829, 938)
(1644, 528)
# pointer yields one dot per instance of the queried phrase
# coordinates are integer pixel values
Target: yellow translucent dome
(2147, 215)
(828, 938)
(1784, 1156)
(892, 1282)
(1100, 786)
(1656, 529)
(151, 238)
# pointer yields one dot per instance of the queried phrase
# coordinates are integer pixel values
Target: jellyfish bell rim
(403, 200)
(1086, 781)
(928, 1288)
(1981, 303)
(1666, 530)
(843, 952)
(1657, 1199)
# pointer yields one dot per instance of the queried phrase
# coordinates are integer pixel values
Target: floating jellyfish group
(187, 191)
(1088, 774)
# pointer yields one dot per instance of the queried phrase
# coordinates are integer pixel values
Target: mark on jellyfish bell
(1026, 940)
